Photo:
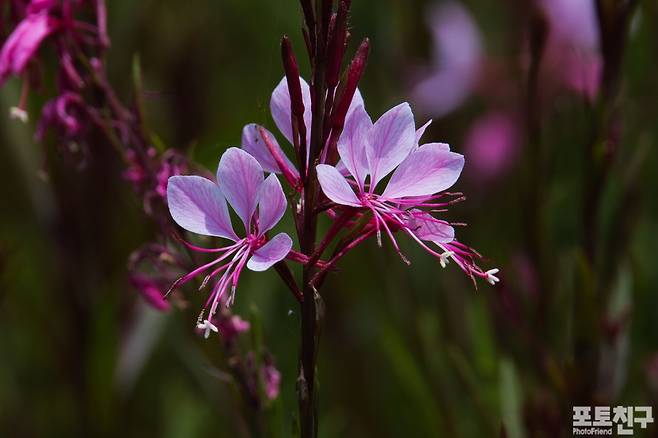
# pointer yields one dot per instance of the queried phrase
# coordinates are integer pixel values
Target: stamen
(16, 113)
(231, 297)
(201, 249)
(491, 277)
(187, 277)
(207, 327)
(445, 258)
(393, 241)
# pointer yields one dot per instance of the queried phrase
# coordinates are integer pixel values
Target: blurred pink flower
(492, 144)
(62, 113)
(36, 6)
(24, 41)
(572, 52)
(230, 326)
(573, 21)
(271, 380)
(457, 58)
(151, 290)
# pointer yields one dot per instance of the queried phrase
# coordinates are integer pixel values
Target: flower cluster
(420, 176)
(367, 179)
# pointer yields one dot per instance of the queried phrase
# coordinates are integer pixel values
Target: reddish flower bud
(327, 6)
(337, 44)
(296, 99)
(346, 92)
(309, 16)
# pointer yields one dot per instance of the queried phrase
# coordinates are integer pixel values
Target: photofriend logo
(602, 420)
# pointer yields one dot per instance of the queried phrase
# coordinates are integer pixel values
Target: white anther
(491, 277)
(444, 258)
(207, 327)
(17, 113)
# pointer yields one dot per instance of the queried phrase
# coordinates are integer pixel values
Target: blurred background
(559, 134)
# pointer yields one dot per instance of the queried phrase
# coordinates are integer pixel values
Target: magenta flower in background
(573, 21)
(271, 380)
(63, 113)
(420, 175)
(572, 52)
(231, 326)
(199, 205)
(457, 58)
(262, 144)
(151, 290)
(492, 143)
(25, 40)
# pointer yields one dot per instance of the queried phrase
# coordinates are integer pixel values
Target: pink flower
(492, 143)
(171, 164)
(457, 58)
(24, 41)
(573, 21)
(199, 206)
(64, 113)
(572, 53)
(151, 291)
(420, 175)
(271, 380)
(262, 144)
(231, 326)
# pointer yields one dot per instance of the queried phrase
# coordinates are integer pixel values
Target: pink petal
(272, 252)
(391, 140)
(335, 186)
(426, 227)
(271, 204)
(430, 169)
(420, 131)
(253, 143)
(351, 144)
(23, 42)
(197, 205)
(272, 381)
(239, 177)
(280, 108)
(357, 101)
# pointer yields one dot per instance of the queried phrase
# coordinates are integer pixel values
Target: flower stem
(312, 307)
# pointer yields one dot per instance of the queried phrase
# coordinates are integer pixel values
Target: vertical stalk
(311, 307)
